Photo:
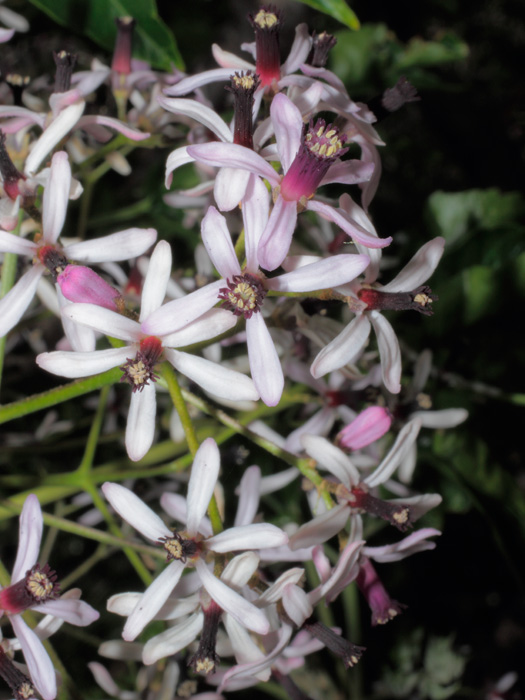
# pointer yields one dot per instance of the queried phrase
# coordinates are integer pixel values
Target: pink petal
(134, 511)
(218, 242)
(248, 502)
(229, 60)
(29, 537)
(121, 127)
(288, 125)
(204, 475)
(354, 230)
(277, 236)
(265, 365)
(140, 428)
(349, 172)
(233, 156)
(299, 51)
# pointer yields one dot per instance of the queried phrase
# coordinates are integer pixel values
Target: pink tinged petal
(26, 114)
(140, 428)
(419, 268)
(38, 662)
(319, 424)
(367, 427)
(233, 156)
(275, 592)
(54, 133)
(219, 381)
(76, 612)
(343, 349)
(178, 313)
(320, 529)
(396, 454)
(231, 602)
(288, 126)
(118, 246)
(244, 647)
(56, 196)
(209, 325)
(325, 274)
(230, 187)
(201, 113)
(186, 85)
(249, 490)
(103, 320)
(354, 230)
(14, 244)
(156, 281)
(343, 573)
(103, 678)
(296, 604)
(332, 458)
(265, 365)
(370, 153)
(81, 364)
(255, 536)
(445, 418)
(135, 512)
(389, 352)
(82, 284)
(116, 124)
(218, 242)
(152, 600)
(173, 639)
(359, 215)
(415, 542)
(348, 172)
(176, 158)
(16, 301)
(324, 74)
(6, 34)
(204, 475)
(255, 212)
(299, 51)
(277, 236)
(229, 60)
(29, 536)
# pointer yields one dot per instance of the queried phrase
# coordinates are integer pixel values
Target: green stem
(168, 373)
(350, 600)
(91, 444)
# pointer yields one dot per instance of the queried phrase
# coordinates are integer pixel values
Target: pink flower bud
(370, 425)
(83, 285)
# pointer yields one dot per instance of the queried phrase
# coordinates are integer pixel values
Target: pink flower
(367, 427)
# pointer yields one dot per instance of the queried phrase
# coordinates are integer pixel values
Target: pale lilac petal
(104, 679)
(230, 187)
(320, 529)
(38, 662)
(354, 230)
(296, 604)
(389, 352)
(217, 380)
(413, 543)
(122, 245)
(369, 153)
(156, 280)
(76, 612)
(211, 324)
(121, 127)
(27, 114)
(218, 242)
(14, 244)
(173, 639)
(186, 85)
(54, 133)
(201, 113)
(176, 506)
(240, 569)
(274, 592)
(229, 60)
(231, 602)
(176, 158)
(6, 34)
(178, 313)
(332, 458)
(348, 172)
(233, 156)
(135, 512)
(140, 428)
(277, 236)
(104, 320)
(82, 364)
(396, 454)
(340, 573)
(56, 196)
(255, 212)
(358, 215)
(16, 301)
(81, 338)
(152, 600)
(254, 536)
(204, 475)
(319, 424)
(299, 51)
(29, 537)
(325, 274)
(248, 501)
(265, 365)
(343, 349)
(444, 418)
(288, 126)
(419, 268)
(324, 74)
(244, 647)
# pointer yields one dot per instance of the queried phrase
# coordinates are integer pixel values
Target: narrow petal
(445, 418)
(38, 662)
(240, 569)
(186, 85)
(288, 126)
(248, 501)
(332, 458)
(29, 537)
(211, 324)
(16, 301)
(230, 187)
(76, 612)
(104, 320)
(396, 454)
(229, 60)
(325, 274)
(121, 127)
(122, 245)
(255, 212)
(244, 647)
(343, 349)
(176, 506)
(14, 244)
(238, 607)
(56, 197)
(348, 172)
(217, 380)
(176, 158)
(389, 352)
(265, 364)
(140, 428)
(173, 639)
(218, 242)
(319, 424)
(277, 236)
(152, 600)
(204, 475)
(81, 364)
(156, 280)
(135, 512)
(54, 133)
(254, 536)
(352, 229)
(299, 50)
(419, 268)
(320, 529)
(233, 156)
(201, 113)
(81, 338)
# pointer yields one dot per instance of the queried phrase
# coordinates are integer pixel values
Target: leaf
(355, 53)
(480, 288)
(153, 40)
(338, 9)
(446, 49)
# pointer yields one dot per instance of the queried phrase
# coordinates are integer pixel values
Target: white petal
(254, 536)
(172, 640)
(76, 612)
(321, 528)
(16, 301)
(209, 325)
(332, 458)
(104, 320)
(29, 536)
(300, 49)
(343, 349)
(389, 352)
(81, 364)
(218, 243)
(140, 428)
(255, 212)
(296, 604)
(396, 454)
(288, 125)
(176, 158)
(204, 475)
(325, 274)
(38, 662)
(277, 236)
(240, 569)
(444, 418)
(156, 281)
(10, 243)
(54, 133)
(265, 365)
(122, 245)
(248, 501)
(200, 112)
(230, 187)
(135, 512)
(419, 268)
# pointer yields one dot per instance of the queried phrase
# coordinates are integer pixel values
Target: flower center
(138, 371)
(267, 25)
(38, 586)
(178, 547)
(243, 86)
(244, 295)
(419, 299)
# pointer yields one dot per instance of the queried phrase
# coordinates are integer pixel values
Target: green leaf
(338, 9)
(446, 49)
(153, 41)
(355, 53)
(480, 288)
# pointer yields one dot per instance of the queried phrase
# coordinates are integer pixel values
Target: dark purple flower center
(205, 660)
(138, 371)
(178, 547)
(267, 24)
(243, 86)
(38, 586)
(244, 295)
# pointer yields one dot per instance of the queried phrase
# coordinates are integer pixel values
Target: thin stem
(168, 373)
(350, 600)
(94, 433)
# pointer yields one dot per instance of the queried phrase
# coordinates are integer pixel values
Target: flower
(34, 587)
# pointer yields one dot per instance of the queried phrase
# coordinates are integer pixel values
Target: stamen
(267, 24)
(205, 660)
(419, 299)
(138, 371)
(396, 514)
(55, 261)
(10, 174)
(243, 86)
(65, 62)
(20, 685)
(38, 586)
(244, 295)
(18, 84)
(321, 45)
(348, 652)
(179, 547)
